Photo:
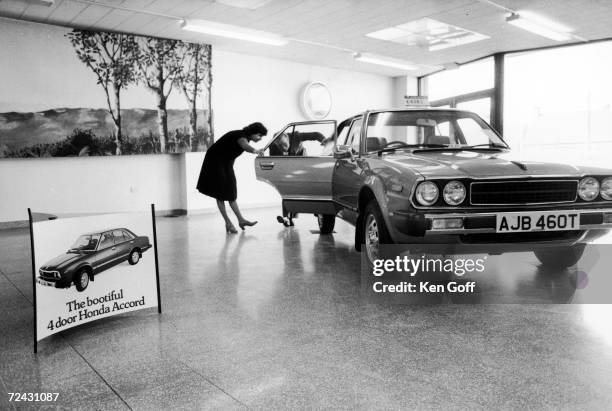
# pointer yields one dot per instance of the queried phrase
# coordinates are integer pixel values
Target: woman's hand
(242, 142)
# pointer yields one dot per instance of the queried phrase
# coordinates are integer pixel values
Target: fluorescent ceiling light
(539, 25)
(244, 4)
(384, 61)
(226, 30)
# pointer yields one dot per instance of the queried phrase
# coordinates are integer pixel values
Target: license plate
(47, 283)
(537, 221)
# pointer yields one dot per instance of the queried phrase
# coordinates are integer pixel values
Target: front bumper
(51, 283)
(421, 225)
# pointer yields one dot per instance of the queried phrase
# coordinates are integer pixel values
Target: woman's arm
(243, 143)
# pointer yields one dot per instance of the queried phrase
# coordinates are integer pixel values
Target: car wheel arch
(89, 270)
(366, 194)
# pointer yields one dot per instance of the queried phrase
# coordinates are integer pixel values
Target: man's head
(283, 141)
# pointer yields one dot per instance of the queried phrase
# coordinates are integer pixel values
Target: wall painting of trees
(123, 94)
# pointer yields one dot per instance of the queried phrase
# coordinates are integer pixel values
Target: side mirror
(341, 151)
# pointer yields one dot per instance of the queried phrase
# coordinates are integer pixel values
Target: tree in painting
(159, 64)
(112, 58)
(195, 74)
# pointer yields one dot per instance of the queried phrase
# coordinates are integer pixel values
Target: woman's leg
(221, 205)
(236, 210)
(241, 220)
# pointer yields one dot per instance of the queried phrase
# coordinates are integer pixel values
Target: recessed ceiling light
(226, 30)
(428, 33)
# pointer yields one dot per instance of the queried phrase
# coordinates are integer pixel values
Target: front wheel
(326, 223)
(374, 231)
(560, 257)
(81, 280)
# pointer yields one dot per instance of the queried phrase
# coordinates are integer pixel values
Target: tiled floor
(273, 318)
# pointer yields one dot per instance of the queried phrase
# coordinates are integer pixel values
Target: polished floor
(274, 319)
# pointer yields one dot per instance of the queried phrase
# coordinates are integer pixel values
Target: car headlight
(606, 188)
(454, 193)
(427, 193)
(588, 188)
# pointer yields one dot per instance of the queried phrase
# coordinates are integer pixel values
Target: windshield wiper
(485, 145)
(391, 149)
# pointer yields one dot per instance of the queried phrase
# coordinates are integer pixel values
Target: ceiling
(336, 27)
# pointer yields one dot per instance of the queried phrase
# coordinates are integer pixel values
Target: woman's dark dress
(217, 178)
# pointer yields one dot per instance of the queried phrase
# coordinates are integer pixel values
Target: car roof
(413, 108)
(105, 230)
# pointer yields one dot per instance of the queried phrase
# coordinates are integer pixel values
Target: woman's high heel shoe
(230, 229)
(247, 224)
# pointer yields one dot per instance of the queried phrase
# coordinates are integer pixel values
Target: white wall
(92, 184)
(245, 89)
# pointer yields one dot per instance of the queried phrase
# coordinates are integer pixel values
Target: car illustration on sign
(440, 176)
(91, 254)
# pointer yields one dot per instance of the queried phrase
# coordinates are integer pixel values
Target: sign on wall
(88, 93)
(87, 268)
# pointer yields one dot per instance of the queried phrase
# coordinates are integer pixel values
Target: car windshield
(429, 129)
(86, 242)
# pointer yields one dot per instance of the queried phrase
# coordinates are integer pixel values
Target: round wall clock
(316, 100)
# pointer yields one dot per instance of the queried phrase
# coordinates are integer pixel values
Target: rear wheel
(134, 257)
(81, 281)
(560, 257)
(374, 231)
(326, 223)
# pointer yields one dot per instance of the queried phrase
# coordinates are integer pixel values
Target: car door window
(343, 130)
(128, 236)
(304, 140)
(106, 241)
(279, 146)
(118, 237)
(354, 136)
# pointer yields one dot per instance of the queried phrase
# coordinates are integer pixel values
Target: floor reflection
(277, 317)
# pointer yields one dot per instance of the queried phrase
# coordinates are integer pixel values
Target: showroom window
(558, 103)
(469, 87)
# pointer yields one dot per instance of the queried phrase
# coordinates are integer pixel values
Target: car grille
(49, 275)
(523, 192)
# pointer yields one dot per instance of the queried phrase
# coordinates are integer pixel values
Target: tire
(560, 257)
(375, 231)
(134, 256)
(326, 223)
(81, 280)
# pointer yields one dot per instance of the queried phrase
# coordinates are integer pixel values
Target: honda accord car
(423, 175)
(91, 254)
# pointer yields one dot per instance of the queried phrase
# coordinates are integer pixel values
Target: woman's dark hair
(255, 128)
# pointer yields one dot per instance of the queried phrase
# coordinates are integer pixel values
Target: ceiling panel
(65, 11)
(339, 24)
(14, 7)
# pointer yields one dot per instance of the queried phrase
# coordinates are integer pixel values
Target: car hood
(475, 164)
(61, 261)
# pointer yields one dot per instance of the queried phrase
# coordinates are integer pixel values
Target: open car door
(299, 163)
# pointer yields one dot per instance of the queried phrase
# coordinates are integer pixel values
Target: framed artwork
(69, 92)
